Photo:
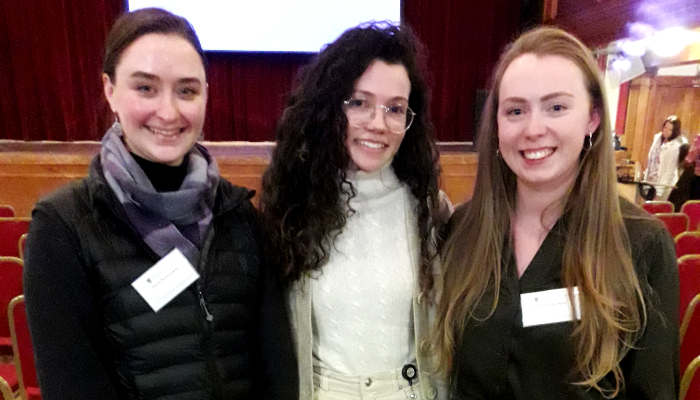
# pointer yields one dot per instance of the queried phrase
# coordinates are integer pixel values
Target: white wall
(680, 70)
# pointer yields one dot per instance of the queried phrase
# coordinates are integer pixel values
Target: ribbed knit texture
(362, 317)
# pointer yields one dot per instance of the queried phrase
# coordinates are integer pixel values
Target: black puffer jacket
(96, 338)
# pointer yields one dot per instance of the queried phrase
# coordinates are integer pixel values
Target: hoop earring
(590, 141)
(498, 153)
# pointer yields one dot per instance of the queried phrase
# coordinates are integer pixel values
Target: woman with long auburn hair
(555, 287)
(352, 205)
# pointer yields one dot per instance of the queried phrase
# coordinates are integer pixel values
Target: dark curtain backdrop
(51, 59)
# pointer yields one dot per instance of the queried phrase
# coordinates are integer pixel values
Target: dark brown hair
(133, 25)
(676, 130)
(306, 193)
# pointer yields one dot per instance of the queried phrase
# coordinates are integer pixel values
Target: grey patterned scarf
(162, 218)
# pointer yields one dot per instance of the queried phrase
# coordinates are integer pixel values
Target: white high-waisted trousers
(388, 385)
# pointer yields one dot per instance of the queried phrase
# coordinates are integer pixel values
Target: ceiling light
(670, 42)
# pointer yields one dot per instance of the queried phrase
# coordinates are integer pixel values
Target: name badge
(549, 307)
(165, 279)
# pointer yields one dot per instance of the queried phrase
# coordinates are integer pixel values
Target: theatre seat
(690, 351)
(690, 384)
(5, 390)
(10, 286)
(23, 349)
(11, 229)
(21, 245)
(691, 208)
(655, 207)
(8, 379)
(676, 223)
(690, 347)
(689, 273)
(688, 242)
(6, 211)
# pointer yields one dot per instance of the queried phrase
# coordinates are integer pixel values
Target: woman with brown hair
(662, 165)
(147, 279)
(555, 288)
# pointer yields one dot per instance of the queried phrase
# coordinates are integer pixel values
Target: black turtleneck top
(164, 178)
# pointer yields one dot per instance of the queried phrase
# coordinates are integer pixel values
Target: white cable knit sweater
(362, 316)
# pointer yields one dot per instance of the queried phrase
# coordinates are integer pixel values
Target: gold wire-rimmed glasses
(398, 117)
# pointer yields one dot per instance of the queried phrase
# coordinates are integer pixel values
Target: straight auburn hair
(597, 255)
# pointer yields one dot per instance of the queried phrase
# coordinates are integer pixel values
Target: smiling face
(544, 116)
(373, 146)
(667, 130)
(159, 94)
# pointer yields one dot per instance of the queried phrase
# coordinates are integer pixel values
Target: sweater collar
(374, 184)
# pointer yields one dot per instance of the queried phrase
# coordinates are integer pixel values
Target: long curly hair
(306, 194)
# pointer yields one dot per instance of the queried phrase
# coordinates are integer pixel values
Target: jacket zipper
(203, 258)
(205, 308)
(208, 333)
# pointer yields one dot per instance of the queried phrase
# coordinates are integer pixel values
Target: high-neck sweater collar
(374, 184)
(164, 178)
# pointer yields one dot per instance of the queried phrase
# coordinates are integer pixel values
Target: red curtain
(464, 40)
(50, 63)
(247, 92)
(51, 59)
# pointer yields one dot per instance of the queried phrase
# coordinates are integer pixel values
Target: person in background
(352, 204)
(688, 185)
(555, 287)
(147, 279)
(662, 165)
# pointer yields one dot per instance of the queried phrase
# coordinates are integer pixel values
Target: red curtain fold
(51, 59)
(50, 66)
(247, 92)
(464, 40)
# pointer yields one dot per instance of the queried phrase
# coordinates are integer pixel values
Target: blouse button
(425, 347)
(432, 392)
(368, 382)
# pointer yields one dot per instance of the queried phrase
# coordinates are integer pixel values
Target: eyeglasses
(398, 117)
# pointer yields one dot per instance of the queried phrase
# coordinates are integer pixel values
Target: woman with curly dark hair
(352, 204)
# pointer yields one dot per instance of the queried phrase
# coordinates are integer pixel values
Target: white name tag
(165, 279)
(549, 307)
